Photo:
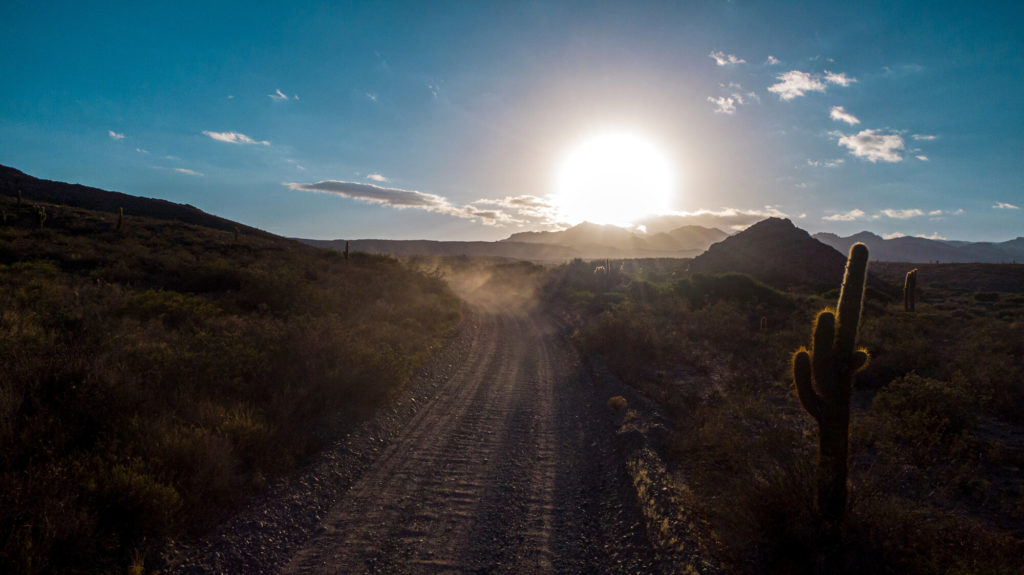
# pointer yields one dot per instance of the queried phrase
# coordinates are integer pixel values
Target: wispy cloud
(772, 60)
(371, 97)
(839, 114)
(826, 163)
(434, 90)
(924, 137)
(141, 151)
(795, 83)
(935, 213)
(1004, 206)
(922, 157)
(849, 216)
(723, 59)
(903, 214)
(839, 79)
(874, 146)
(114, 135)
(376, 178)
(893, 235)
(188, 172)
(234, 138)
(932, 236)
(279, 96)
(519, 210)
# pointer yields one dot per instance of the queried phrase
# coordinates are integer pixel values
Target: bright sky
(453, 120)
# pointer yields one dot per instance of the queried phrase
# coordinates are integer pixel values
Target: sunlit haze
(613, 178)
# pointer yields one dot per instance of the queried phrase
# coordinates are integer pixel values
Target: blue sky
(450, 120)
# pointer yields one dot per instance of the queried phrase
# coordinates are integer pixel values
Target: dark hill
(776, 252)
(79, 196)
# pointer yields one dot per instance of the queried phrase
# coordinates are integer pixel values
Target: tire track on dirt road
(487, 477)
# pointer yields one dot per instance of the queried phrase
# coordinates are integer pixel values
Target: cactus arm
(804, 388)
(823, 354)
(861, 357)
(851, 300)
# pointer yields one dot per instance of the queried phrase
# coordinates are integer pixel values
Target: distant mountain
(596, 241)
(776, 252)
(513, 250)
(75, 195)
(923, 250)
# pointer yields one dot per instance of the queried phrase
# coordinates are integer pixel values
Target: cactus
(19, 197)
(824, 380)
(909, 290)
(42, 217)
(346, 249)
(764, 328)
(120, 218)
(236, 234)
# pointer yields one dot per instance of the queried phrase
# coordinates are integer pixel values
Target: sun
(613, 178)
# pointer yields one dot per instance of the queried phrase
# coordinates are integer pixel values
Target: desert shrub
(930, 418)
(149, 379)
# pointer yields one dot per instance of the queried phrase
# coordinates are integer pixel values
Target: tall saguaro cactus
(909, 290)
(824, 380)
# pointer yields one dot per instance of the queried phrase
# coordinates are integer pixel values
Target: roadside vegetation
(937, 430)
(154, 373)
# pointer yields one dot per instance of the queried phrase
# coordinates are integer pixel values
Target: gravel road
(499, 459)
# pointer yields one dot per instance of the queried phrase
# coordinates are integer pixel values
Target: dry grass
(152, 377)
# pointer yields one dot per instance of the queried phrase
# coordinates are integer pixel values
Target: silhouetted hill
(79, 196)
(776, 252)
(594, 240)
(923, 250)
(514, 250)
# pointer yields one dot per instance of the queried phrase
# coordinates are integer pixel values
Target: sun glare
(613, 178)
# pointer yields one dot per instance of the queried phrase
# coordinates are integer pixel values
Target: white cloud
(510, 210)
(826, 163)
(840, 114)
(796, 83)
(115, 135)
(371, 97)
(376, 178)
(434, 90)
(188, 172)
(772, 60)
(935, 213)
(839, 79)
(874, 146)
(933, 236)
(1004, 206)
(141, 151)
(958, 212)
(893, 236)
(924, 137)
(903, 214)
(234, 138)
(725, 104)
(278, 96)
(723, 59)
(845, 217)
(922, 157)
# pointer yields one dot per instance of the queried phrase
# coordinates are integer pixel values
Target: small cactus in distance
(764, 328)
(236, 234)
(824, 381)
(910, 290)
(120, 218)
(42, 217)
(346, 249)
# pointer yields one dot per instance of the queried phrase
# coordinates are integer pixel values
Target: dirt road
(507, 466)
